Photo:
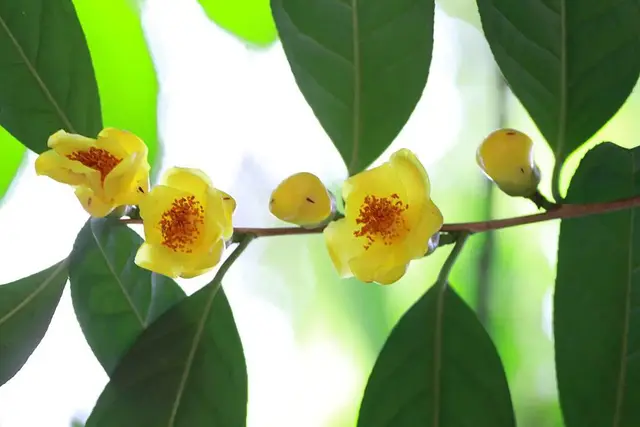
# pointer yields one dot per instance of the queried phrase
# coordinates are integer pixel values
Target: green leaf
(438, 368)
(10, 161)
(124, 68)
(46, 76)
(26, 308)
(250, 20)
(572, 63)
(597, 296)
(114, 299)
(187, 369)
(361, 66)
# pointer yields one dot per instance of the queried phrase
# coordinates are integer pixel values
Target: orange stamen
(180, 224)
(381, 217)
(97, 159)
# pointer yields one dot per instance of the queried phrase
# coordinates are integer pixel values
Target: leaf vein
(35, 293)
(36, 76)
(113, 272)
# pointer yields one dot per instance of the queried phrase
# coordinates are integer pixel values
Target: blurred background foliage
(311, 339)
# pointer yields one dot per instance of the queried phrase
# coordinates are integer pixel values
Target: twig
(563, 212)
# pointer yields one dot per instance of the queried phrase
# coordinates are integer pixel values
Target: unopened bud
(506, 157)
(302, 199)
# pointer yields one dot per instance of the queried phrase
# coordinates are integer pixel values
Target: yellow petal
(190, 180)
(412, 176)
(427, 223)
(301, 199)
(122, 183)
(381, 181)
(391, 276)
(194, 273)
(230, 208)
(121, 143)
(93, 204)
(379, 258)
(158, 259)
(506, 157)
(156, 203)
(217, 223)
(205, 260)
(119, 180)
(342, 246)
(66, 143)
(61, 169)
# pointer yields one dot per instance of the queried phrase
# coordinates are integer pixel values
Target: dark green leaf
(165, 293)
(361, 65)
(187, 369)
(26, 308)
(114, 299)
(124, 68)
(46, 76)
(438, 368)
(597, 296)
(572, 63)
(250, 20)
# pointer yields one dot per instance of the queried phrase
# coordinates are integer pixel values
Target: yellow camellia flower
(106, 172)
(302, 199)
(506, 157)
(186, 223)
(389, 221)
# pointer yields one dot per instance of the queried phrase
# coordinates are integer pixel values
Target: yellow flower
(506, 157)
(106, 172)
(302, 199)
(186, 223)
(389, 220)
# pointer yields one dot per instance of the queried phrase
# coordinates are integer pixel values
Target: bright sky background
(236, 113)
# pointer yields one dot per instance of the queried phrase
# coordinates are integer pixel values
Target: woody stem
(443, 277)
(562, 212)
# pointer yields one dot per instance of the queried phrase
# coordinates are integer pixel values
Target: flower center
(97, 159)
(180, 224)
(381, 218)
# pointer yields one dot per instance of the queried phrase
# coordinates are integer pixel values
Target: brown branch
(563, 212)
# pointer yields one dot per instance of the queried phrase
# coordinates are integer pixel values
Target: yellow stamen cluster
(97, 159)
(180, 224)
(381, 217)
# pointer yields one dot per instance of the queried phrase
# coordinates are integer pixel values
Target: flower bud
(506, 157)
(303, 200)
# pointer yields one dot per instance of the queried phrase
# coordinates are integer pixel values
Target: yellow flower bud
(506, 157)
(186, 224)
(106, 172)
(302, 199)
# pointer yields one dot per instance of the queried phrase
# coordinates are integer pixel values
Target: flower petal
(153, 206)
(66, 143)
(191, 180)
(379, 258)
(204, 261)
(229, 204)
(342, 246)
(217, 223)
(412, 176)
(121, 143)
(93, 204)
(194, 273)
(381, 181)
(158, 259)
(392, 275)
(61, 169)
(426, 221)
(123, 182)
